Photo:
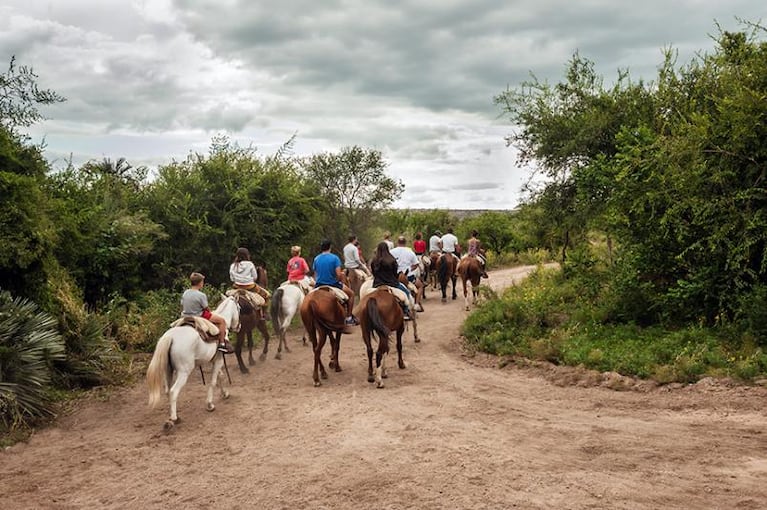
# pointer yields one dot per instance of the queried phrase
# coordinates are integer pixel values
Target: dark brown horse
(380, 313)
(323, 316)
(431, 279)
(470, 270)
(250, 319)
(446, 264)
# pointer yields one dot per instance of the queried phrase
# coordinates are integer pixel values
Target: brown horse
(250, 319)
(380, 313)
(470, 270)
(446, 264)
(356, 277)
(323, 316)
(431, 278)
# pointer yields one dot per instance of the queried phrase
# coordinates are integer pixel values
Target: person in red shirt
(419, 245)
(297, 268)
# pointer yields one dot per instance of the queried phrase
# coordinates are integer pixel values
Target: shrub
(29, 345)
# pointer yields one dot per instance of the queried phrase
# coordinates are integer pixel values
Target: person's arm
(340, 275)
(305, 266)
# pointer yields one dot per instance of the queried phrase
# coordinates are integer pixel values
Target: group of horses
(379, 312)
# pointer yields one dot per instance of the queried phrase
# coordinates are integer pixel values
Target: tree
(354, 186)
(20, 95)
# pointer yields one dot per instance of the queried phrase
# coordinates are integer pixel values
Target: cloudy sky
(153, 80)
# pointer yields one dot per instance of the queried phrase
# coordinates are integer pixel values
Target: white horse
(286, 301)
(179, 350)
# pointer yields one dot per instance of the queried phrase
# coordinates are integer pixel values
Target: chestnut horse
(323, 316)
(470, 270)
(380, 313)
(446, 264)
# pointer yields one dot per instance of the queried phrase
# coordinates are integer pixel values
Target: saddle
(255, 299)
(301, 284)
(340, 294)
(206, 329)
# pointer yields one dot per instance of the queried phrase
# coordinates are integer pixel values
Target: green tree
(20, 96)
(354, 187)
(209, 205)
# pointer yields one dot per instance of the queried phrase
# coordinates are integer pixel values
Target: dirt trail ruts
(450, 431)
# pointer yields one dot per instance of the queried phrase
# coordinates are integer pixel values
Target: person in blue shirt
(328, 270)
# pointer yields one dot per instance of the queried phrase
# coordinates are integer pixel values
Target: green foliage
(566, 319)
(136, 325)
(110, 238)
(211, 205)
(354, 187)
(20, 95)
(496, 231)
(29, 345)
(672, 172)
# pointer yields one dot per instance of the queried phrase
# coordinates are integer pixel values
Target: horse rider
(434, 240)
(327, 271)
(449, 244)
(352, 261)
(243, 274)
(419, 245)
(474, 249)
(387, 239)
(384, 267)
(298, 269)
(407, 267)
(194, 303)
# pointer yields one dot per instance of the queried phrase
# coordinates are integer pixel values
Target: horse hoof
(262, 357)
(371, 378)
(402, 366)
(287, 350)
(210, 407)
(332, 364)
(317, 384)
(444, 300)
(417, 340)
(244, 370)
(324, 376)
(278, 356)
(338, 368)
(379, 384)
(225, 395)
(467, 308)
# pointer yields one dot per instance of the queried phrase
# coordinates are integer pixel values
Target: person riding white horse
(194, 303)
(407, 265)
(298, 270)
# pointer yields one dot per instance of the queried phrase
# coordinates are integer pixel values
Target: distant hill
(463, 213)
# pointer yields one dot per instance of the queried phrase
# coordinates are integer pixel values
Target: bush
(29, 345)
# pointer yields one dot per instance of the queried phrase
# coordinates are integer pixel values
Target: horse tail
(275, 310)
(157, 373)
(442, 270)
(327, 326)
(377, 324)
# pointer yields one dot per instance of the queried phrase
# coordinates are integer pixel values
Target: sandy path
(447, 432)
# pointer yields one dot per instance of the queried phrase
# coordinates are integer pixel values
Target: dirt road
(450, 431)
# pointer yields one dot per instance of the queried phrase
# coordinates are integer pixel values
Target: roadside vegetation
(657, 195)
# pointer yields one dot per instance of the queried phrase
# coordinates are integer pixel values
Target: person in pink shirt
(297, 268)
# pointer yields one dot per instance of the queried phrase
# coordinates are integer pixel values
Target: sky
(155, 80)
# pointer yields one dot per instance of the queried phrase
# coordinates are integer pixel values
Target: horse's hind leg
(336, 348)
(400, 361)
(319, 368)
(181, 378)
(238, 352)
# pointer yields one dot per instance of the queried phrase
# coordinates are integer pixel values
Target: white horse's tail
(157, 373)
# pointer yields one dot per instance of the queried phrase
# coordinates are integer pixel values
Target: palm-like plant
(29, 344)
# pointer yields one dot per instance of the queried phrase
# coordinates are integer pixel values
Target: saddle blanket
(256, 300)
(208, 331)
(305, 285)
(367, 288)
(340, 294)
